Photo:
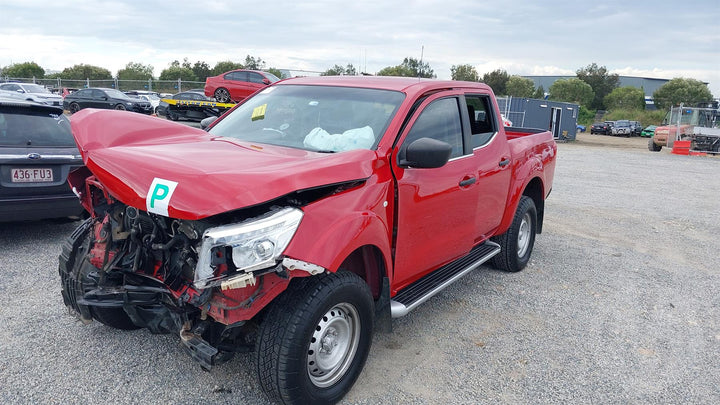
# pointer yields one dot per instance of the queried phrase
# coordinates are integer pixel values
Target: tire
(517, 243)
(294, 366)
(74, 107)
(222, 95)
(120, 107)
(652, 146)
(171, 115)
(78, 276)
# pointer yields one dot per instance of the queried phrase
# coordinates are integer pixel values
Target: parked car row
(617, 128)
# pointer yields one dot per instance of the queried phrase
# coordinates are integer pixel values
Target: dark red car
(235, 85)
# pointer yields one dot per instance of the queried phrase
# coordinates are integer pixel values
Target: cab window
(482, 124)
(440, 120)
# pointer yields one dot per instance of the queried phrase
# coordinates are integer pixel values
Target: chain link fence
(160, 86)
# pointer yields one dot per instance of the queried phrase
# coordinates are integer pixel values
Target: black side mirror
(425, 153)
(266, 81)
(206, 122)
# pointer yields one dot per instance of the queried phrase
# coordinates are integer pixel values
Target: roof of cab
(404, 84)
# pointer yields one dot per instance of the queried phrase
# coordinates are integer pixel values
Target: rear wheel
(222, 95)
(517, 243)
(315, 339)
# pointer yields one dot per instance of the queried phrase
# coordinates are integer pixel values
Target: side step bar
(421, 290)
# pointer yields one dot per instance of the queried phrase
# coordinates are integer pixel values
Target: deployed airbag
(356, 138)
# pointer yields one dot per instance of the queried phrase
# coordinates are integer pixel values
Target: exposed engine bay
(204, 279)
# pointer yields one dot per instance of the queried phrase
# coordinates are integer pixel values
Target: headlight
(129, 104)
(254, 244)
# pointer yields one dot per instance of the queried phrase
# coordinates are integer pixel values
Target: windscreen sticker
(158, 196)
(259, 112)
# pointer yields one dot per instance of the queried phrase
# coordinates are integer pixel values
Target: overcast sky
(657, 38)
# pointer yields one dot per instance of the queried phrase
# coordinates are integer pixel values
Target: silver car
(33, 92)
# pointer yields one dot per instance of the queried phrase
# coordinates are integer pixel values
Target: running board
(421, 290)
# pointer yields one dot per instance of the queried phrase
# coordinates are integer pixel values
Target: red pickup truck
(309, 214)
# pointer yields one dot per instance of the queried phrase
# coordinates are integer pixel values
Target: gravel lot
(619, 304)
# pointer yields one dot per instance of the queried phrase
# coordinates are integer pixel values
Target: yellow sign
(259, 112)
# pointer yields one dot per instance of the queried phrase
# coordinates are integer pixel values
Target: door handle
(504, 162)
(467, 182)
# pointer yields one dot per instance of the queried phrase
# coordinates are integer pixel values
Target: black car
(635, 128)
(105, 98)
(601, 128)
(37, 151)
(187, 110)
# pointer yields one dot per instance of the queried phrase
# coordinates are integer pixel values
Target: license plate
(31, 175)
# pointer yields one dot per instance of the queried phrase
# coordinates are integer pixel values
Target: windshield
(116, 94)
(21, 126)
(34, 88)
(271, 77)
(317, 118)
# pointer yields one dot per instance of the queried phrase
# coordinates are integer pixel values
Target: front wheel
(652, 146)
(120, 107)
(74, 107)
(315, 339)
(517, 243)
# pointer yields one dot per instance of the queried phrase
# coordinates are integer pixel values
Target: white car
(33, 92)
(151, 96)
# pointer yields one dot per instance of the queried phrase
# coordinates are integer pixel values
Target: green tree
(201, 70)
(539, 93)
(571, 90)
(135, 71)
(410, 67)
(276, 72)
(225, 66)
(681, 90)
(497, 80)
(520, 87)
(465, 72)
(175, 72)
(254, 63)
(627, 98)
(601, 82)
(82, 72)
(24, 70)
(338, 70)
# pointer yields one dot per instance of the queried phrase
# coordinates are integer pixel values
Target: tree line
(593, 88)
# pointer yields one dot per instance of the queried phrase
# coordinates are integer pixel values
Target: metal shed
(557, 117)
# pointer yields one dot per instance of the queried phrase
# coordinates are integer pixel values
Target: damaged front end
(205, 279)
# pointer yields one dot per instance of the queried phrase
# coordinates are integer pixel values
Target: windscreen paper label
(159, 194)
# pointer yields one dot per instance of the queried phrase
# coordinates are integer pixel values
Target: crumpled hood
(183, 172)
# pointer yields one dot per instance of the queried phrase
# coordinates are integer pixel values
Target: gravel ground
(618, 305)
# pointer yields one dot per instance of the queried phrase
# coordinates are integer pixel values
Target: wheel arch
(368, 263)
(535, 190)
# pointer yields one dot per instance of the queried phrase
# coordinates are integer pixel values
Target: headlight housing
(253, 244)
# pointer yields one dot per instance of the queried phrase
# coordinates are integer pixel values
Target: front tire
(74, 107)
(78, 276)
(120, 107)
(315, 339)
(652, 146)
(517, 243)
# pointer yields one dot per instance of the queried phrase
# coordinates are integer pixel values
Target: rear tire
(517, 243)
(222, 95)
(315, 339)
